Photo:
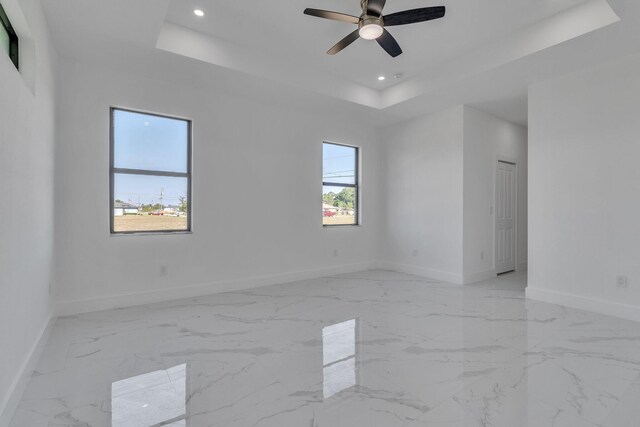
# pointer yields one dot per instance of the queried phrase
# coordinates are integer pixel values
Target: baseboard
(596, 305)
(479, 276)
(21, 380)
(429, 273)
(67, 308)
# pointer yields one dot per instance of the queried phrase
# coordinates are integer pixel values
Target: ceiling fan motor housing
(364, 5)
(370, 20)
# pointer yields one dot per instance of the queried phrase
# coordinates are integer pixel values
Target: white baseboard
(596, 305)
(479, 276)
(21, 380)
(67, 308)
(429, 273)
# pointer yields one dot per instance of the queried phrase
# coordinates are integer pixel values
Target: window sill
(151, 233)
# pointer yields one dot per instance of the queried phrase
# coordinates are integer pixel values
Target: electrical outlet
(414, 253)
(163, 270)
(622, 282)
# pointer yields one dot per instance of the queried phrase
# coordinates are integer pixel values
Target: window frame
(355, 186)
(14, 41)
(144, 172)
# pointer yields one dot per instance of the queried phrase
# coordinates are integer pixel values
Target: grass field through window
(129, 223)
(339, 220)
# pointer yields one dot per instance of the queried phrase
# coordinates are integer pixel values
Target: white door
(505, 217)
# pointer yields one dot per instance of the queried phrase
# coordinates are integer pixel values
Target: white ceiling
(484, 52)
(279, 27)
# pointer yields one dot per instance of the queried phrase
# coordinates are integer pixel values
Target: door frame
(512, 161)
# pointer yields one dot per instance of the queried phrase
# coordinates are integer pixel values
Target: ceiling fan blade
(389, 44)
(332, 15)
(414, 15)
(374, 7)
(344, 43)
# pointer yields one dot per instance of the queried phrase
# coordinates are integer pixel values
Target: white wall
(256, 195)
(424, 195)
(257, 180)
(487, 139)
(584, 187)
(27, 130)
(440, 176)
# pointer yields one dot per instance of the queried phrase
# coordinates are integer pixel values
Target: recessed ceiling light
(381, 78)
(198, 12)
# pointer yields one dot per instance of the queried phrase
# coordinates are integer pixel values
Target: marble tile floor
(374, 348)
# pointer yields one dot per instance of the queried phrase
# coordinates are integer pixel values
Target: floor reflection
(154, 399)
(435, 355)
(339, 357)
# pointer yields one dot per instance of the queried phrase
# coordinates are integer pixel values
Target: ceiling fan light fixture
(370, 28)
(370, 32)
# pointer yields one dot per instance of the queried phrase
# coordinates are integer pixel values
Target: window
(339, 185)
(150, 173)
(8, 37)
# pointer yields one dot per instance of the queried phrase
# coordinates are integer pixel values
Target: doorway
(506, 194)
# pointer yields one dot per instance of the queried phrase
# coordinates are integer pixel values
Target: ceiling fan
(371, 23)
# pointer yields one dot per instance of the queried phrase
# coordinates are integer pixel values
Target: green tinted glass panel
(8, 37)
(5, 41)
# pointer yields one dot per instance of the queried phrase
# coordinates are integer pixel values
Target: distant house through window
(8, 37)
(340, 193)
(150, 173)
